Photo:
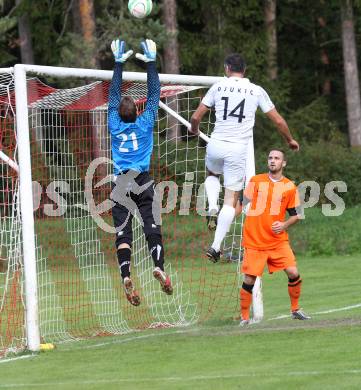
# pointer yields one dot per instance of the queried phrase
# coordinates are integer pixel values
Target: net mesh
(79, 289)
(11, 304)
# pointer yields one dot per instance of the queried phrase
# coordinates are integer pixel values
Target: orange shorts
(277, 259)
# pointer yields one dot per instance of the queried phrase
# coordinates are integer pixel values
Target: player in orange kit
(265, 238)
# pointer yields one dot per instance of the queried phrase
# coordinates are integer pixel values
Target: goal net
(78, 282)
(11, 305)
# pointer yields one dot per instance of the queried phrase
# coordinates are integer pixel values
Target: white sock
(225, 219)
(213, 188)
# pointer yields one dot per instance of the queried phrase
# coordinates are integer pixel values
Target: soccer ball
(140, 8)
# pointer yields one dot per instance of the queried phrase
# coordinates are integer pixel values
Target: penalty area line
(344, 308)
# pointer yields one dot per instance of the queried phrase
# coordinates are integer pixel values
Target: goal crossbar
(40, 70)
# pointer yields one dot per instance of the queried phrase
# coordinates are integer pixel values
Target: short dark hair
(128, 110)
(279, 150)
(235, 62)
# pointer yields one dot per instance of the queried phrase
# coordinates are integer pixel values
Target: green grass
(214, 353)
(276, 354)
(210, 358)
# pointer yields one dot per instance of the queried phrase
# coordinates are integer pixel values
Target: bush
(321, 235)
(324, 162)
(308, 124)
(324, 156)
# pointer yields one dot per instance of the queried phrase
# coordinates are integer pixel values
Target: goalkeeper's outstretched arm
(115, 93)
(153, 94)
(149, 48)
(115, 90)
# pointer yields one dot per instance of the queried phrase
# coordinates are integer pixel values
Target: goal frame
(20, 72)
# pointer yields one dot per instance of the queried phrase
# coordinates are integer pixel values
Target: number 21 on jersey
(124, 138)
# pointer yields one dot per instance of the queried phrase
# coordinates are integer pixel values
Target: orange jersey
(269, 203)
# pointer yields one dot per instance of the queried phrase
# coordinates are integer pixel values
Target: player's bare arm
(278, 226)
(283, 128)
(197, 117)
(240, 204)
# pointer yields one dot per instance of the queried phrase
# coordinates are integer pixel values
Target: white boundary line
(345, 308)
(339, 309)
(186, 378)
(173, 332)
(133, 338)
(16, 358)
(183, 331)
(233, 329)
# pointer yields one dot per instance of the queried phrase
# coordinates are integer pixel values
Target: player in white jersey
(235, 100)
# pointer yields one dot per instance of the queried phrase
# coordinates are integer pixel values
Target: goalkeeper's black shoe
(300, 315)
(212, 221)
(213, 255)
(130, 292)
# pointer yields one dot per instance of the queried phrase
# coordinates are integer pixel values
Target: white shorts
(229, 159)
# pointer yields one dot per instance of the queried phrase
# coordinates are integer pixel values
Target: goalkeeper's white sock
(213, 188)
(225, 219)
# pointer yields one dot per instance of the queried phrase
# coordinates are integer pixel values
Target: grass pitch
(279, 353)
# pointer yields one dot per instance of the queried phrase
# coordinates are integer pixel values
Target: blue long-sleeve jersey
(132, 143)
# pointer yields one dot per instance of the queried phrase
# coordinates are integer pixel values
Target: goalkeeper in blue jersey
(132, 146)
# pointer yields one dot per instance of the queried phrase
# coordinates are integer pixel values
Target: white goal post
(25, 172)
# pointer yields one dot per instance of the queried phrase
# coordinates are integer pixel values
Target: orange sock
(246, 300)
(294, 291)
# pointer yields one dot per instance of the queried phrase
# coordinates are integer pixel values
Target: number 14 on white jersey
(236, 101)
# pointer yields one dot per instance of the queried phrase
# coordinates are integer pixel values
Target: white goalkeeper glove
(150, 51)
(118, 48)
